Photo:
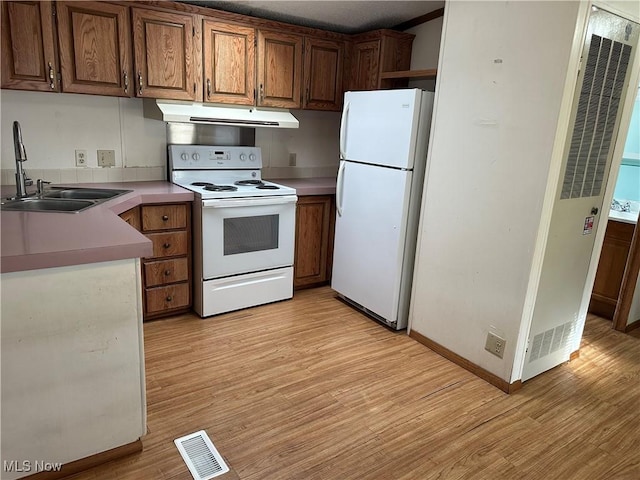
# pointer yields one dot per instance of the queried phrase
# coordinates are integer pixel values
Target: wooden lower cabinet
(611, 266)
(315, 220)
(166, 275)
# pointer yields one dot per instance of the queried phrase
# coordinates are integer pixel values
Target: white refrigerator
(383, 150)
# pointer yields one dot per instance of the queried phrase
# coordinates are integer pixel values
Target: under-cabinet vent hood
(191, 112)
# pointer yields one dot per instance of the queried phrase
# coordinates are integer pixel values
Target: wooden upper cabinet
(279, 69)
(365, 65)
(377, 52)
(229, 63)
(29, 60)
(164, 54)
(323, 61)
(95, 46)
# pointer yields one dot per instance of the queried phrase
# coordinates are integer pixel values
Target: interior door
(606, 65)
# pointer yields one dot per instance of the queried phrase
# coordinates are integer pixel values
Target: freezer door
(380, 127)
(370, 236)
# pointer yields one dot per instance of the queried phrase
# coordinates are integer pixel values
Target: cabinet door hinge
(193, 31)
(53, 9)
(254, 95)
(255, 42)
(194, 87)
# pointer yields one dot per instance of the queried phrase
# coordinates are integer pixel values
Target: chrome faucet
(21, 156)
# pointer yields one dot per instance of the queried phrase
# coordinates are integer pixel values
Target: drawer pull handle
(169, 298)
(165, 217)
(167, 273)
(166, 245)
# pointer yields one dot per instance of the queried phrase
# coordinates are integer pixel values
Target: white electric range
(244, 227)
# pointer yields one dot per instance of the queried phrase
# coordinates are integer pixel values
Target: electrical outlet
(81, 158)
(495, 344)
(292, 159)
(106, 158)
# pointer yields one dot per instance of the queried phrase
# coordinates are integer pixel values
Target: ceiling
(338, 16)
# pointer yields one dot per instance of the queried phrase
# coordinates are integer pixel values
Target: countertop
(34, 240)
(309, 186)
(626, 217)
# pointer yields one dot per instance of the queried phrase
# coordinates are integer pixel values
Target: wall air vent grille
(592, 138)
(551, 341)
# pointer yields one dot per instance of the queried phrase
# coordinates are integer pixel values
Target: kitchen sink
(46, 205)
(62, 199)
(83, 193)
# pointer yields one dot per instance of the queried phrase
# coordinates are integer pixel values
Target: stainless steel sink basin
(47, 205)
(83, 193)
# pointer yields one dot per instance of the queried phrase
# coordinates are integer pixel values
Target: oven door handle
(248, 202)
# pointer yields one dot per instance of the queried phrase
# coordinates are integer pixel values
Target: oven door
(242, 235)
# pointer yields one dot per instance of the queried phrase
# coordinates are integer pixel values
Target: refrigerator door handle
(343, 128)
(339, 187)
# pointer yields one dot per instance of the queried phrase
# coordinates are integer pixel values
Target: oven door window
(250, 234)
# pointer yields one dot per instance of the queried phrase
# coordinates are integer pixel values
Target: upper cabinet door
(279, 69)
(365, 66)
(323, 74)
(28, 53)
(229, 63)
(163, 53)
(95, 48)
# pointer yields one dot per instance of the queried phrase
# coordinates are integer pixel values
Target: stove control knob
(184, 156)
(196, 156)
(243, 157)
(252, 157)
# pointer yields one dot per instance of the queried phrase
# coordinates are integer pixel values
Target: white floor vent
(202, 458)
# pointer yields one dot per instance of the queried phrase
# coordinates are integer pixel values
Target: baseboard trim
(632, 326)
(466, 364)
(89, 462)
(574, 355)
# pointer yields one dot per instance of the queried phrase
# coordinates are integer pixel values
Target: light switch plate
(106, 158)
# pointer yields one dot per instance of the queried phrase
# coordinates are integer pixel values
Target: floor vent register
(200, 455)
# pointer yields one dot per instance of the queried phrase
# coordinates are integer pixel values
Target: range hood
(211, 114)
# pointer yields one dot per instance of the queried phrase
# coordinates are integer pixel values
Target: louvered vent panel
(591, 140)
(201, 456)
(551, 341)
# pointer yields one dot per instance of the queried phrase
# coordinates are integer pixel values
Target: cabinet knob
(169, 298)
(167, 273)
(165, 217)
(166, 245)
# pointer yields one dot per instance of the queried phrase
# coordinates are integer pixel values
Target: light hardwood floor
(311, 389)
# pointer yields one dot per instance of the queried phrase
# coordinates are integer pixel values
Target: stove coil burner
(268, 187)
(202, 184)
(220, 188)
(249, 182)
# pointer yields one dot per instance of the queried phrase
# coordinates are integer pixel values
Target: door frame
(627, 289)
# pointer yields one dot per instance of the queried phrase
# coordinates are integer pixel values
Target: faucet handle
(40, 186)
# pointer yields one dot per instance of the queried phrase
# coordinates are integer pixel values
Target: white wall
(54, 125)
(315, 145)
(425, 51)
(489, 160)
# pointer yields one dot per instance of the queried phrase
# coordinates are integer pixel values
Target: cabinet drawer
(132, 217)
(163, 217)
(170, 244)
(167, 298)
(166, 271)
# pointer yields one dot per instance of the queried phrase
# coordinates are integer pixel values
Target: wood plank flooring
(311, 389)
